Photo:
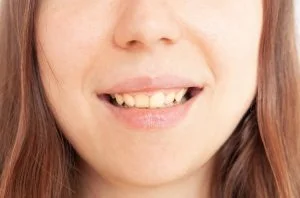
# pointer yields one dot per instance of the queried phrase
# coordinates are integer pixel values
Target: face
(148, 91)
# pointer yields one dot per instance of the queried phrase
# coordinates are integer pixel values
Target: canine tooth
(184, 99)
(180, 94)
(119, 99)
(169, 98)
(129, 100)
(141, 101)
(157, 100)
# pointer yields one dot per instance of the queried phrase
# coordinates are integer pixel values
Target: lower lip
(151, 118)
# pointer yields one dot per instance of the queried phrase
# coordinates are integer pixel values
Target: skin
(83, 48)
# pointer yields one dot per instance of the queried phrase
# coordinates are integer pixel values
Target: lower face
(148, 92)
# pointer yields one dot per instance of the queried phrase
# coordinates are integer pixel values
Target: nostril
(167, 40)
(132, 43)
(136, 43)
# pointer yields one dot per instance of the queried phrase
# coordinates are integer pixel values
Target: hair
(260, 159)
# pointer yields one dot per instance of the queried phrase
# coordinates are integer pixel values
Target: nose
(144, 24)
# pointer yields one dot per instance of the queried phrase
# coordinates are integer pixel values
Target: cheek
(229, 34)
(229, 38)
(70, 36)
(235, 66)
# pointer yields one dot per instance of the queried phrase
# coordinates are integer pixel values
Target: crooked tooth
(157, 100)
(184, 99)
(129, 100)
(119, 99)
(180, 94)
(170, 97)
(141, 101)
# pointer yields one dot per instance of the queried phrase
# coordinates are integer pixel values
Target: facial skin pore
(87, 47)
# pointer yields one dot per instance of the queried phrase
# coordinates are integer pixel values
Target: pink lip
(135, 118)
(144, 84)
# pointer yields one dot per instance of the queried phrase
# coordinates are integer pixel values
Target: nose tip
(144, 25)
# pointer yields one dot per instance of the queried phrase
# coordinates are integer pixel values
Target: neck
(195, 185)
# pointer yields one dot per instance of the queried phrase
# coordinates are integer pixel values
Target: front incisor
(157, 100)
(141, 101)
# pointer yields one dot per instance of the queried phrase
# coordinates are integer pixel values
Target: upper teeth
(156, 100)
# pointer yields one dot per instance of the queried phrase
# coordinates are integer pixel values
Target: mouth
(150, 103)
(152, 99)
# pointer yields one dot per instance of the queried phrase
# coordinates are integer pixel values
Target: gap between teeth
(156, 100)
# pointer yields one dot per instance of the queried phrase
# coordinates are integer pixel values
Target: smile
(143, 103)
(154, 99)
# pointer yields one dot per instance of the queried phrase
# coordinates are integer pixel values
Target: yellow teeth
(119, 99)
(141, 101)
(129, 100)
(156, 100)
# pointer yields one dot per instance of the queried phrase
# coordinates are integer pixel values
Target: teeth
(141, 101)
(184, 99)
(119, 99)
(129, 100)
(180, 95)
(157, 100)
(169, 99)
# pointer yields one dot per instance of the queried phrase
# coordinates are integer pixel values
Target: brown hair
(260, 159)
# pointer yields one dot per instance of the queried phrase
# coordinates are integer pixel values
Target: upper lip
(146, 83)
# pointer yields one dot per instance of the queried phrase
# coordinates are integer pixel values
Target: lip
(147, 84)
(162, 118)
